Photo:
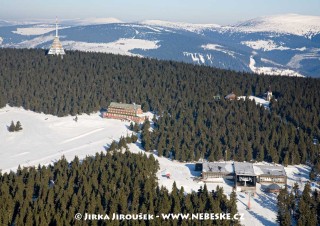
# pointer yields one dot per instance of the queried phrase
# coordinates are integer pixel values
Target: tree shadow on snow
(259, 217)
(263, 220)
(267, 201)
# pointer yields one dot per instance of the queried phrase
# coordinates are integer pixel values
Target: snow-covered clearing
(154, 29)
(296, 59)
(218, 48)
(272, 70)
(45, 138)
(202, 58)
(269, 45)
(199, 58)
(121, 46)
(36, 30)
(258, 100)
(196, 57)
(265, 45)
(33, 43)
(267, 61)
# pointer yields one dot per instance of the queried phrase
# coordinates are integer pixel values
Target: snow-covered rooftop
(124, 105)
(274, 170)
(218, 167)
(244, 168)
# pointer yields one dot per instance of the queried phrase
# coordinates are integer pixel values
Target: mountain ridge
(242, 47)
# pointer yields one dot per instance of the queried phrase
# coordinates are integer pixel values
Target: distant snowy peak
(181, 26)
(300, 25)
(94, 21)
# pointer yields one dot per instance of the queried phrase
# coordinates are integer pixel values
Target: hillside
(193, 124)
(45, 139)
(301, 25)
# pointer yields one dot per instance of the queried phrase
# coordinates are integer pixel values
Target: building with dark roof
(273, 188)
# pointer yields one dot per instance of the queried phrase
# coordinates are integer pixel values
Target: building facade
(245, 178)
(271, 174)
(273, 188)
(213, 170)
(122, 111)
(268, 94)
(245, 175)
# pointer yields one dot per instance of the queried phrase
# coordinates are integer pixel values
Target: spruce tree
(11, 128)
(18, 126)
(283, 204)
(146, 137)
(232, 204)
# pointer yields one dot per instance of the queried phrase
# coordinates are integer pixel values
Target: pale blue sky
(201, 11)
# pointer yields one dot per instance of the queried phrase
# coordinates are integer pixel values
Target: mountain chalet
(123, 111)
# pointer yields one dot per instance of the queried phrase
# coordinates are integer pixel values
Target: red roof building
(231, 96)
(122, 111)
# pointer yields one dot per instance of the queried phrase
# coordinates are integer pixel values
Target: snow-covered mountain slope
(45, 138)
(287, 45)
(272, 70)
(265, 45)
(121, 46)
(180, 25)
(37, 29)
(92, 21)
(295, 24)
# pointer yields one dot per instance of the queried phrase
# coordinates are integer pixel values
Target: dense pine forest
(296, 208)
(193, 124)
(120, 183)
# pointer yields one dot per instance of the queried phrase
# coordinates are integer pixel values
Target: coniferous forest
(296, 208)
(193, 124)
(121, 183)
